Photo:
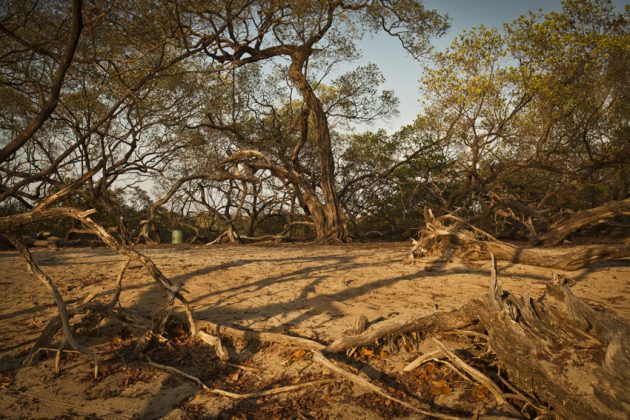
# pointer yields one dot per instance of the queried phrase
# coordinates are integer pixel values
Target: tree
(293, 30)
(535, 116)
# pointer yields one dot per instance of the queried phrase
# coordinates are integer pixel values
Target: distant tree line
(231, 113)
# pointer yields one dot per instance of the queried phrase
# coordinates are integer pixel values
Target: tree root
(233, 395)
(63, 317)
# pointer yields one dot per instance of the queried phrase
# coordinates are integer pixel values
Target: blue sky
(402, 72)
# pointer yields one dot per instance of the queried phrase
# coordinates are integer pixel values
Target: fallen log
(569, 258)
(448, 235)
(263, 336)
(572, 357)
(440, 321)
(556, 348)
(561, 229)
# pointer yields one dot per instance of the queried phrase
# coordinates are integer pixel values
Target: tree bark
(331, 225)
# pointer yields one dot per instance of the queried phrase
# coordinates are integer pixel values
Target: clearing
(310, 291)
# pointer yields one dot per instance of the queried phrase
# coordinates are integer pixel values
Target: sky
(402, 73)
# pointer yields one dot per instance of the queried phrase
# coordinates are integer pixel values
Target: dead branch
(116, 297)
(421, 360)
(34, 269)
(457, 237)
(440, 321)
(319, 358)
(250, 335)
(561, 229)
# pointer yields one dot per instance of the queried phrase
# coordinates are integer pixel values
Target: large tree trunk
(331, 224)
(558, 347)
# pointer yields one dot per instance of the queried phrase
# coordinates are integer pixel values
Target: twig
(421, 359)
(321, 359)
(119, 280)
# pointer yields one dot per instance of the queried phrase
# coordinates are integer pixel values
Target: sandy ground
(310, 291)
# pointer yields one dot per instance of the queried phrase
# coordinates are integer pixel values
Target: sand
(310, 291)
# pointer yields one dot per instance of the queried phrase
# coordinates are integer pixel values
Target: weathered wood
(440, 321)
(251, 335)
(12, 222)
(563, 228)
(421, 360)
(570, 258)
(572, 357)
(448, 235)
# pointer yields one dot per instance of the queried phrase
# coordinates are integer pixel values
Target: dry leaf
(297, 355)
(479, 393)
(440, 388)
(365, 352)
(430, 369)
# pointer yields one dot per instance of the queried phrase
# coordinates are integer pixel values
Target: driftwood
(556, 348)
(574, 358)
(448, 235)
(560, 230)
(250, 335)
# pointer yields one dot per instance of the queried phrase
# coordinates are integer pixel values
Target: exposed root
(233, 395)
(64, 320)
